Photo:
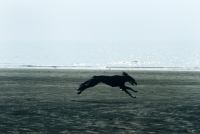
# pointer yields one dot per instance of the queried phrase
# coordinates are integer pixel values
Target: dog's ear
(124, 73)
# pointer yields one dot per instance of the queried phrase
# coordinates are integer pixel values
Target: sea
(110, 55)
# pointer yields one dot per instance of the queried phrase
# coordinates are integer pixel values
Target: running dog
(113, 81)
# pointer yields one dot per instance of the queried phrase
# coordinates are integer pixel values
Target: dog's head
(130, 79)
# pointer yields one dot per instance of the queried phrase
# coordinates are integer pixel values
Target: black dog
(113, 81)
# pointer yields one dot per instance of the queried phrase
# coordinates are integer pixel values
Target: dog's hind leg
(93, 82)
(83, 84)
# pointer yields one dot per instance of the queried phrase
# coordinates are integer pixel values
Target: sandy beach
(46, 101)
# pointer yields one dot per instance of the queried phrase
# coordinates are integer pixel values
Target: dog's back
(113, 81)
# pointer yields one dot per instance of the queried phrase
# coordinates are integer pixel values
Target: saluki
(113, 81)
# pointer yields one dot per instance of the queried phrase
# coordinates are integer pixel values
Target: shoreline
(184, 69)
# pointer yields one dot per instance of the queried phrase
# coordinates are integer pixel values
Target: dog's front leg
(130, 89)
(123, 88)
(129, 93)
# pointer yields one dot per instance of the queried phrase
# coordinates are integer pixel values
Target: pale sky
(56, 30)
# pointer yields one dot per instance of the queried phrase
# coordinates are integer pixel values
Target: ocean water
(170, 55)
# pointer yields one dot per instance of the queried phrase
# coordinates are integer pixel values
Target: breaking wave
(115, 65)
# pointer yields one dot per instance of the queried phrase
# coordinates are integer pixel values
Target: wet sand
(45, 101)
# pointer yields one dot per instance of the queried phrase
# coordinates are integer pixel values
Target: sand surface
(45, 101)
